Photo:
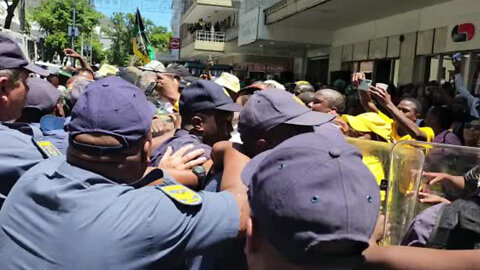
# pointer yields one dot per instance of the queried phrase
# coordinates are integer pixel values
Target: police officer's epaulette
(181, 194)
(175, 191)
(46, 147)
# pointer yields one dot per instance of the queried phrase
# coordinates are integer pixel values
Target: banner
(141, 44)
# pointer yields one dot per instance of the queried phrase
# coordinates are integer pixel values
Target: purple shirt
(447, 137)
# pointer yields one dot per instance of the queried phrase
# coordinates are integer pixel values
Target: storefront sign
(248, 30)
(463, 32)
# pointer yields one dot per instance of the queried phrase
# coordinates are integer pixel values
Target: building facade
(400, 42)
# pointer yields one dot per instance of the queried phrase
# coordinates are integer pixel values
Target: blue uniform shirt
(17, 154)
(59, 216)
(53, 129)
(422, 227)
(179, 139)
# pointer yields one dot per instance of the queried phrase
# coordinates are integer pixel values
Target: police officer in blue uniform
(44, 111)
(18, 153)
(207, 111)
(83, 212)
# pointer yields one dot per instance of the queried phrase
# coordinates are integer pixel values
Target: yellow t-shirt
(428, 131)
(375, 166)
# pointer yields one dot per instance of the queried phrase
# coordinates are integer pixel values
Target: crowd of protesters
(152, 168)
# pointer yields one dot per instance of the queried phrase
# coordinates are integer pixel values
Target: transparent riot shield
(376, 156)
(408, 161)
(393, 169)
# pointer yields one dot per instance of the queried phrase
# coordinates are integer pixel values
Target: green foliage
(122, 30)
(55, 16)
(99, 54)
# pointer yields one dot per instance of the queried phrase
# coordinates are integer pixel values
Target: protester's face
(431, 119)
(319, 104)
(217, 126)
(459, 108)
(408, 109)
(13, 97)
(54, 81)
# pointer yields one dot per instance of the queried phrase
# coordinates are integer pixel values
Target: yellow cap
(229, 81)
(302, 83)
(370, 122)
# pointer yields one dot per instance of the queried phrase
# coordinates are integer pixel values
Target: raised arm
(402, 121)
(462, 90)
(71, 53)
(364, 96)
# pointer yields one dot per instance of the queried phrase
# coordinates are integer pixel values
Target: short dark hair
(418, 105)
(13, 75)
(444, 115)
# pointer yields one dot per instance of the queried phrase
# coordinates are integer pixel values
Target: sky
(159, 11)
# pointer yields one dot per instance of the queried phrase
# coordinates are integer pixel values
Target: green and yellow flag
(141, 44)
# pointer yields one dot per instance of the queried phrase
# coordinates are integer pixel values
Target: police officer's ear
(197, 123)
(253, 240)
(147, 149)
(3, 91)
(59, 111)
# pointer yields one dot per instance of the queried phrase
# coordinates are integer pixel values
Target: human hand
(456, 182)
(71, 53)
(344, 128)
(167, 87)
(429, 198)
(379, 230)
(209, 64)
(160, 127)
(380, 95)
(177, 120)
(181, 160)
(457, 65)
(357, 78)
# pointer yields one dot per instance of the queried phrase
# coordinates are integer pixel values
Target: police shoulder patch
(47, 148)
(182, 194)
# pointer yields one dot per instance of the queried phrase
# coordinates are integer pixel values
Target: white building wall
(425, 31)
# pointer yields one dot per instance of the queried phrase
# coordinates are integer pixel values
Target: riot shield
(408, 161)
(376, 156)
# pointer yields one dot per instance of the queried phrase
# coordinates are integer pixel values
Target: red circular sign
(174, 43)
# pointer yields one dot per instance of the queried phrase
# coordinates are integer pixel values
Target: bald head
(328, 101)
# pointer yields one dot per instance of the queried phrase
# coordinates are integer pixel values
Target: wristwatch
(201, 174)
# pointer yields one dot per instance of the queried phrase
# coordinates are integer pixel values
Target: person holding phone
(473, 102)
(404, 115)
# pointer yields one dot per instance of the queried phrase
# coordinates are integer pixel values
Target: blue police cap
(269, 108)
(203, 95)
(42, 95)
(310, 191)
(111, 106)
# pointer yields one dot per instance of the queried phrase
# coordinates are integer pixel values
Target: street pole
(81, 49)
(73, 28)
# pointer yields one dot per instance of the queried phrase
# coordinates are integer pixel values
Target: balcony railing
(203, 35)
(210, 36)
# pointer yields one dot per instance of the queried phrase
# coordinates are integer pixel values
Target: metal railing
(202, 35)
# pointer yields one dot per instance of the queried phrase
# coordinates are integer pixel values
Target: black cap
(178, 70)
(11, 56)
